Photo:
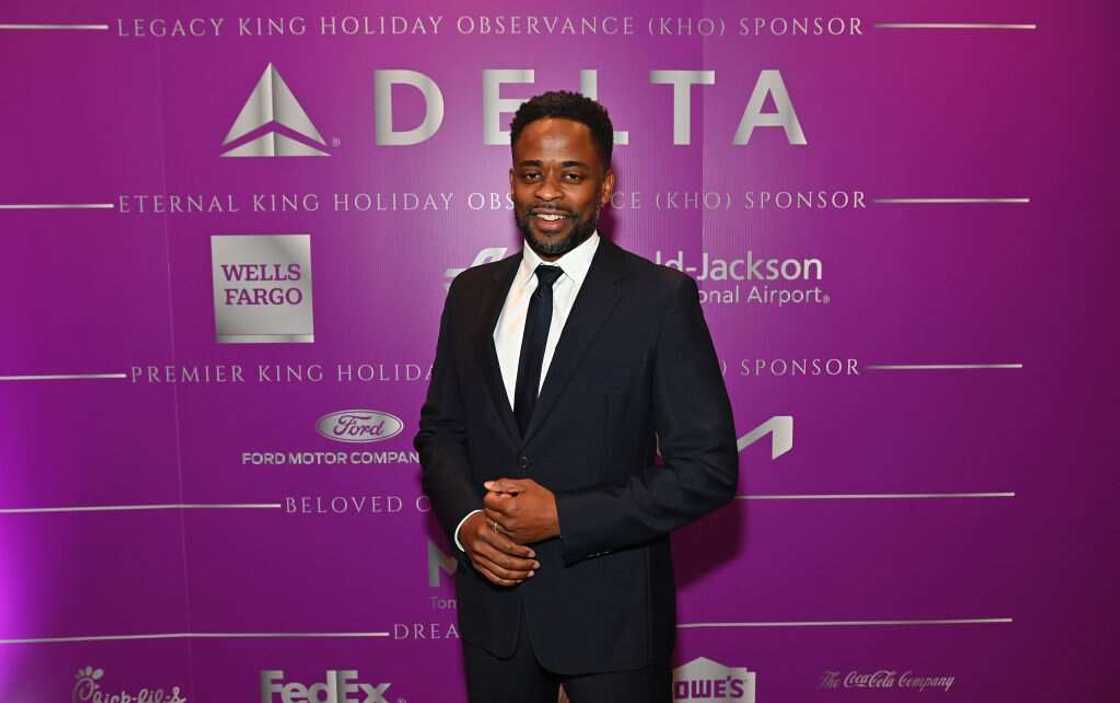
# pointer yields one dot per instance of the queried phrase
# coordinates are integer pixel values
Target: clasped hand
(516, 513)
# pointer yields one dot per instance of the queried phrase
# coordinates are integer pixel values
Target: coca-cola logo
(886, 678)
(359, 426)
(883, 678)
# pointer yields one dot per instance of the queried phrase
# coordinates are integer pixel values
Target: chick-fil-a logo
(87, 689)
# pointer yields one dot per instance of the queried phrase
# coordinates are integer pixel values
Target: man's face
(558, 184)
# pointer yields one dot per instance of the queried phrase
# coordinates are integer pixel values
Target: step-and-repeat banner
(228, 230)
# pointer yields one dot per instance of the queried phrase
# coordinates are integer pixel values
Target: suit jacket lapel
(491, 306)
(596, 300)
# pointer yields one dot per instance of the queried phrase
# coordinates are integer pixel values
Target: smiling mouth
(550, 216)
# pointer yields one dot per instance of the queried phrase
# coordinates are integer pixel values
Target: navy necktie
(537, 322)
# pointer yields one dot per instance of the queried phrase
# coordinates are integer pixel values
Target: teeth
(549, 218)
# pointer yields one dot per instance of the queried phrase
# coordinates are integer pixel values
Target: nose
(548, 188)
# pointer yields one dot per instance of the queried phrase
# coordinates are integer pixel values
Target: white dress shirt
(511, 322)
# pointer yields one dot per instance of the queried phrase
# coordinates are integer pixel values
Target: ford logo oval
(359, 426)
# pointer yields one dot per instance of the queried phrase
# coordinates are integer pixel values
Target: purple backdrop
(924, 391)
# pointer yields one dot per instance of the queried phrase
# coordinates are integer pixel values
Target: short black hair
(572, 106)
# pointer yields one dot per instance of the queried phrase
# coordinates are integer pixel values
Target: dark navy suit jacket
(634, 366)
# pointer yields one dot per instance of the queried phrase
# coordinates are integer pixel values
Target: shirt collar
(574, 264)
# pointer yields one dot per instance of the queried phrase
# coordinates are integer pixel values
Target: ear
(608, 187)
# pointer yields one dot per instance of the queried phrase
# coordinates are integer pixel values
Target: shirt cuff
(457, 527)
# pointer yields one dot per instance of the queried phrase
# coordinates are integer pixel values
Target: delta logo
(273, 123)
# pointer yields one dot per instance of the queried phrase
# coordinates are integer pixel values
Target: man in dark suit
(558, 372)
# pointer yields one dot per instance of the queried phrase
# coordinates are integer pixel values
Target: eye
(529, 175)
(573, 177)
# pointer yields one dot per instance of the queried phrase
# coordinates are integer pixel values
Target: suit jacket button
(524, 462)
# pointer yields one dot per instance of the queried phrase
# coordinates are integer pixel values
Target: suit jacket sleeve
(693, 419)
(442, 438)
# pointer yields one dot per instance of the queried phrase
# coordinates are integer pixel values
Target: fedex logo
(340, 686)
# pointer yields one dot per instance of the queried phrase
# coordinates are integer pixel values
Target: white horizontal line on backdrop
(193, 635)
(277, 506)
(872, 496)
(367, 635)
(882, 367)
(938, 367)
(951, 25)
(56, 206)
(951, 201)
(54, 26)
(154, 506)
(62, 376)
(845, 623)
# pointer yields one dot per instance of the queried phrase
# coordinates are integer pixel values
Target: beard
(581, 230)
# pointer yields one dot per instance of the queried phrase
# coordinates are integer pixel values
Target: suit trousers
(522, 679)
